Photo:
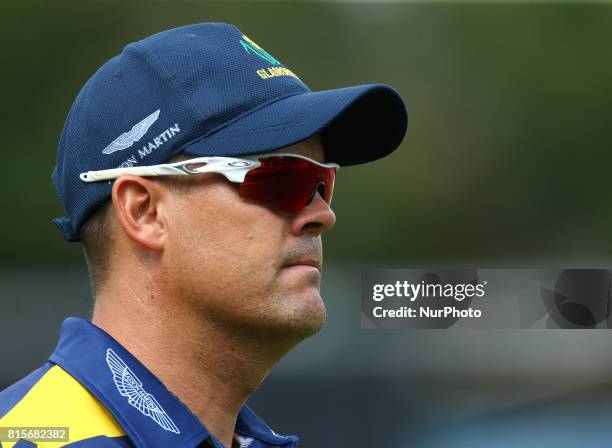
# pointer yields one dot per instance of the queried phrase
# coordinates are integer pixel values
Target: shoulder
(50, 397)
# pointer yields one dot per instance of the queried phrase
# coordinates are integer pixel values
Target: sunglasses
(288, 182)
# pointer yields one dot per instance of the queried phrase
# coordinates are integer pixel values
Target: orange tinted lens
(288, 183)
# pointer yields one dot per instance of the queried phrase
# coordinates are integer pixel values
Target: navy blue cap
(208, 90)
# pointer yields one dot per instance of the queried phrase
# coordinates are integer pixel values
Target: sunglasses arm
(114, 173)
(235, 170)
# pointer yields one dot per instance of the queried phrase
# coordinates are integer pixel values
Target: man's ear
(137, 205)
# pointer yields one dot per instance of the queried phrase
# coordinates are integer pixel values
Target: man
(197, 171)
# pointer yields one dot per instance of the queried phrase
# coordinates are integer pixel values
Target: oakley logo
(130, 386)
(128, 138)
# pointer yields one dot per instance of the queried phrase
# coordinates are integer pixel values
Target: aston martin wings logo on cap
(128, 138)
(130, 386)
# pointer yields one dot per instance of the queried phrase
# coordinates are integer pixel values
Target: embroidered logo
(130, 386)
(128, 138)
(251, 47)
(244, 442)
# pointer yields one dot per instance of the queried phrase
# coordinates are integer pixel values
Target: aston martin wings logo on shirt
(130, 386)
(128, 138)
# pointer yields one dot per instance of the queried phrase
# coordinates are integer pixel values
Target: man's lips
(308, 262)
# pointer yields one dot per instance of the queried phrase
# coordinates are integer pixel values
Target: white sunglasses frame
(234, 169)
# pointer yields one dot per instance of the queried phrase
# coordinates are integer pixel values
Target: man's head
(235, 260)
(209, 90)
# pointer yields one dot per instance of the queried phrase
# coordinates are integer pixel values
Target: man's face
(238, 261)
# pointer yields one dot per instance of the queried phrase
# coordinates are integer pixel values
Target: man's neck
(210, 368)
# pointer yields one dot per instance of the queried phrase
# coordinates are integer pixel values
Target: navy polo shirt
(106, 398)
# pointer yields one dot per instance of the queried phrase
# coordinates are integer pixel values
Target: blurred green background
(507, 152)
(505, 163)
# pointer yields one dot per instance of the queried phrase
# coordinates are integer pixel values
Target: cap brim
(357, 125)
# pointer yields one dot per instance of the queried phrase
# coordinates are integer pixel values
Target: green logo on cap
(251, 47)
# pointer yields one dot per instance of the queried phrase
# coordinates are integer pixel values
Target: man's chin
(311, 323)
(300, 316)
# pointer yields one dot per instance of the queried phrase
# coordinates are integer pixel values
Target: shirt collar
(150, 414)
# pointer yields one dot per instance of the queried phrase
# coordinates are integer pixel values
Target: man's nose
(316, 218)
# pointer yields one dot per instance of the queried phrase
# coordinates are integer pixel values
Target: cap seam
(167, 75)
